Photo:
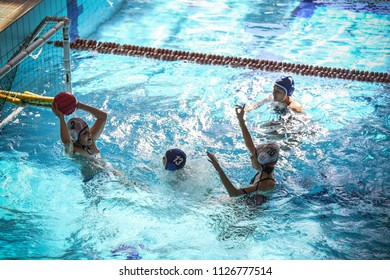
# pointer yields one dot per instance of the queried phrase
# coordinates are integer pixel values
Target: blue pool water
(332, 198)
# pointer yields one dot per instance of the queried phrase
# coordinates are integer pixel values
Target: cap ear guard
(262, 157)
(267, 153)
(292, 88)
(75, 127)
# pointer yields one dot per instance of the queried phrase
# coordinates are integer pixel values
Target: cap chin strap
(285, 92)
(85, 148)
(283, 88)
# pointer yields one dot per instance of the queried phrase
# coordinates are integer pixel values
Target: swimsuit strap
(253, 179)
(261, 180)
(88, 150)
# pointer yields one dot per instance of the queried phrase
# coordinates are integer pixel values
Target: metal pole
(68, 78)
(62, 23)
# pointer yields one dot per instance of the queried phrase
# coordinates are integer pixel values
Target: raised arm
(65, 136)
(101, 118)
(231, 189)
(240, 111)
(257, 104)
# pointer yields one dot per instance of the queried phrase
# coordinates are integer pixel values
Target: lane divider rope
(212, 59)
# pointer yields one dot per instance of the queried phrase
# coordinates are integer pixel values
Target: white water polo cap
(75, 127)
(267, 153)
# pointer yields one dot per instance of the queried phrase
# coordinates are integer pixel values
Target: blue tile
(33, 14)
(58, 8)
(31, 20)
(31, 17)
(55, 7)
(8, 40)
(50, 9)
(62, 9)
(14, 35)
(45, 11)
(3, 48)
(37, 14)
(20, 27)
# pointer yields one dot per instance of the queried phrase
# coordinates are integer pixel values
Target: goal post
(37, 65)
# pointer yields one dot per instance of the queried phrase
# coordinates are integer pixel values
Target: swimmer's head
(267, 154)
(284, 84)
(75, 127)
(174, 159)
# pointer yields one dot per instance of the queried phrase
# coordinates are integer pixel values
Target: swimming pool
(332, 200)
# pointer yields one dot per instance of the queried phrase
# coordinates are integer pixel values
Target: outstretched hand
(213, 160)
(240, 111)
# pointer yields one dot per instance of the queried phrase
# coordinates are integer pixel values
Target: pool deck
(12, 10)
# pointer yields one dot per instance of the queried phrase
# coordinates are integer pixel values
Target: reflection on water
(332, 197)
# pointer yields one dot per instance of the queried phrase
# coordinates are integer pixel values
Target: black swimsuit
(88, 178)
(258, 182)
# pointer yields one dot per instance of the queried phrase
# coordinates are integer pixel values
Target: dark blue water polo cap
(176, 159)
(286, 84)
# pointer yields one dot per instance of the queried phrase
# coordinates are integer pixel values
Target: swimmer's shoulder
(92, 151)
(296, 107)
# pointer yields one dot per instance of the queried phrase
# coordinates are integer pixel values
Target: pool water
(332, 197)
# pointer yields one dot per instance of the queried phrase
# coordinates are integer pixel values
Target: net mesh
(42, 72)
